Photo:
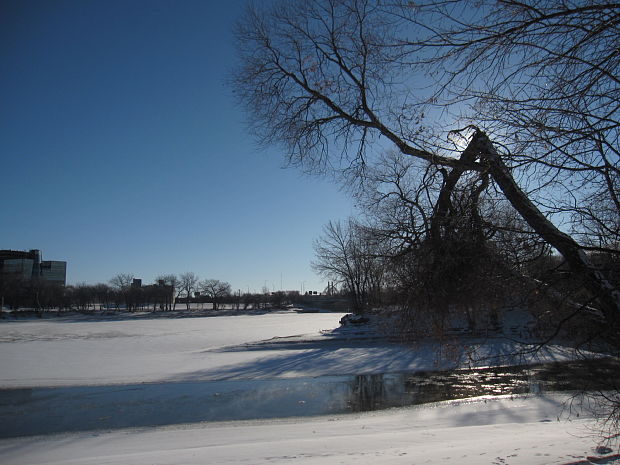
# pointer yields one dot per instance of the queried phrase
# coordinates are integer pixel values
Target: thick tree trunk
(607, 296)
(444, 203)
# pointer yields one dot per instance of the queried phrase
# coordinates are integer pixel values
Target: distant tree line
(123, 292)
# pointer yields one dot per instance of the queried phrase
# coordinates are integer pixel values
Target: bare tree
(215, 290)
(336, 82)
(172, 286)
(346, 255)
(543, 78)
(84, 296)
(188, 283)
(121, 283)
(445, 240)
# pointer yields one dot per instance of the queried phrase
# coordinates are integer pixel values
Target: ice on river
(82, 352)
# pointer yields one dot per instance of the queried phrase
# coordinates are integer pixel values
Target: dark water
(25, 412)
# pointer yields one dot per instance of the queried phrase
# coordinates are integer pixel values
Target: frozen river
(136, 391)
(61, 375)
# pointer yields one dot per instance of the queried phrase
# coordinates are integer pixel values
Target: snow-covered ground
(83, 352)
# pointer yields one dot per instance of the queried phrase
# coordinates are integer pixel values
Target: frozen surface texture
(83, 352)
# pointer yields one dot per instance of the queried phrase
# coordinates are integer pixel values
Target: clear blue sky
(122, 150)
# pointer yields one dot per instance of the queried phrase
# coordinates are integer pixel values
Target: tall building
(28, 266)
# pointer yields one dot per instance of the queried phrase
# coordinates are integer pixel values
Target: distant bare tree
(121, 283)
(188, 283)
(346, 255)
(84, 296)
(173, 288)
(215, 290)
(102, 293)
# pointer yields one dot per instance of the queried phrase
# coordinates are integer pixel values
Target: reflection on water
(373, 392)
(368, 392)
(51, 410)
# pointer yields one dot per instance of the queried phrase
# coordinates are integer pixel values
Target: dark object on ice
(307, 310)
(353, 319)
(603, 450)
(608, 460)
